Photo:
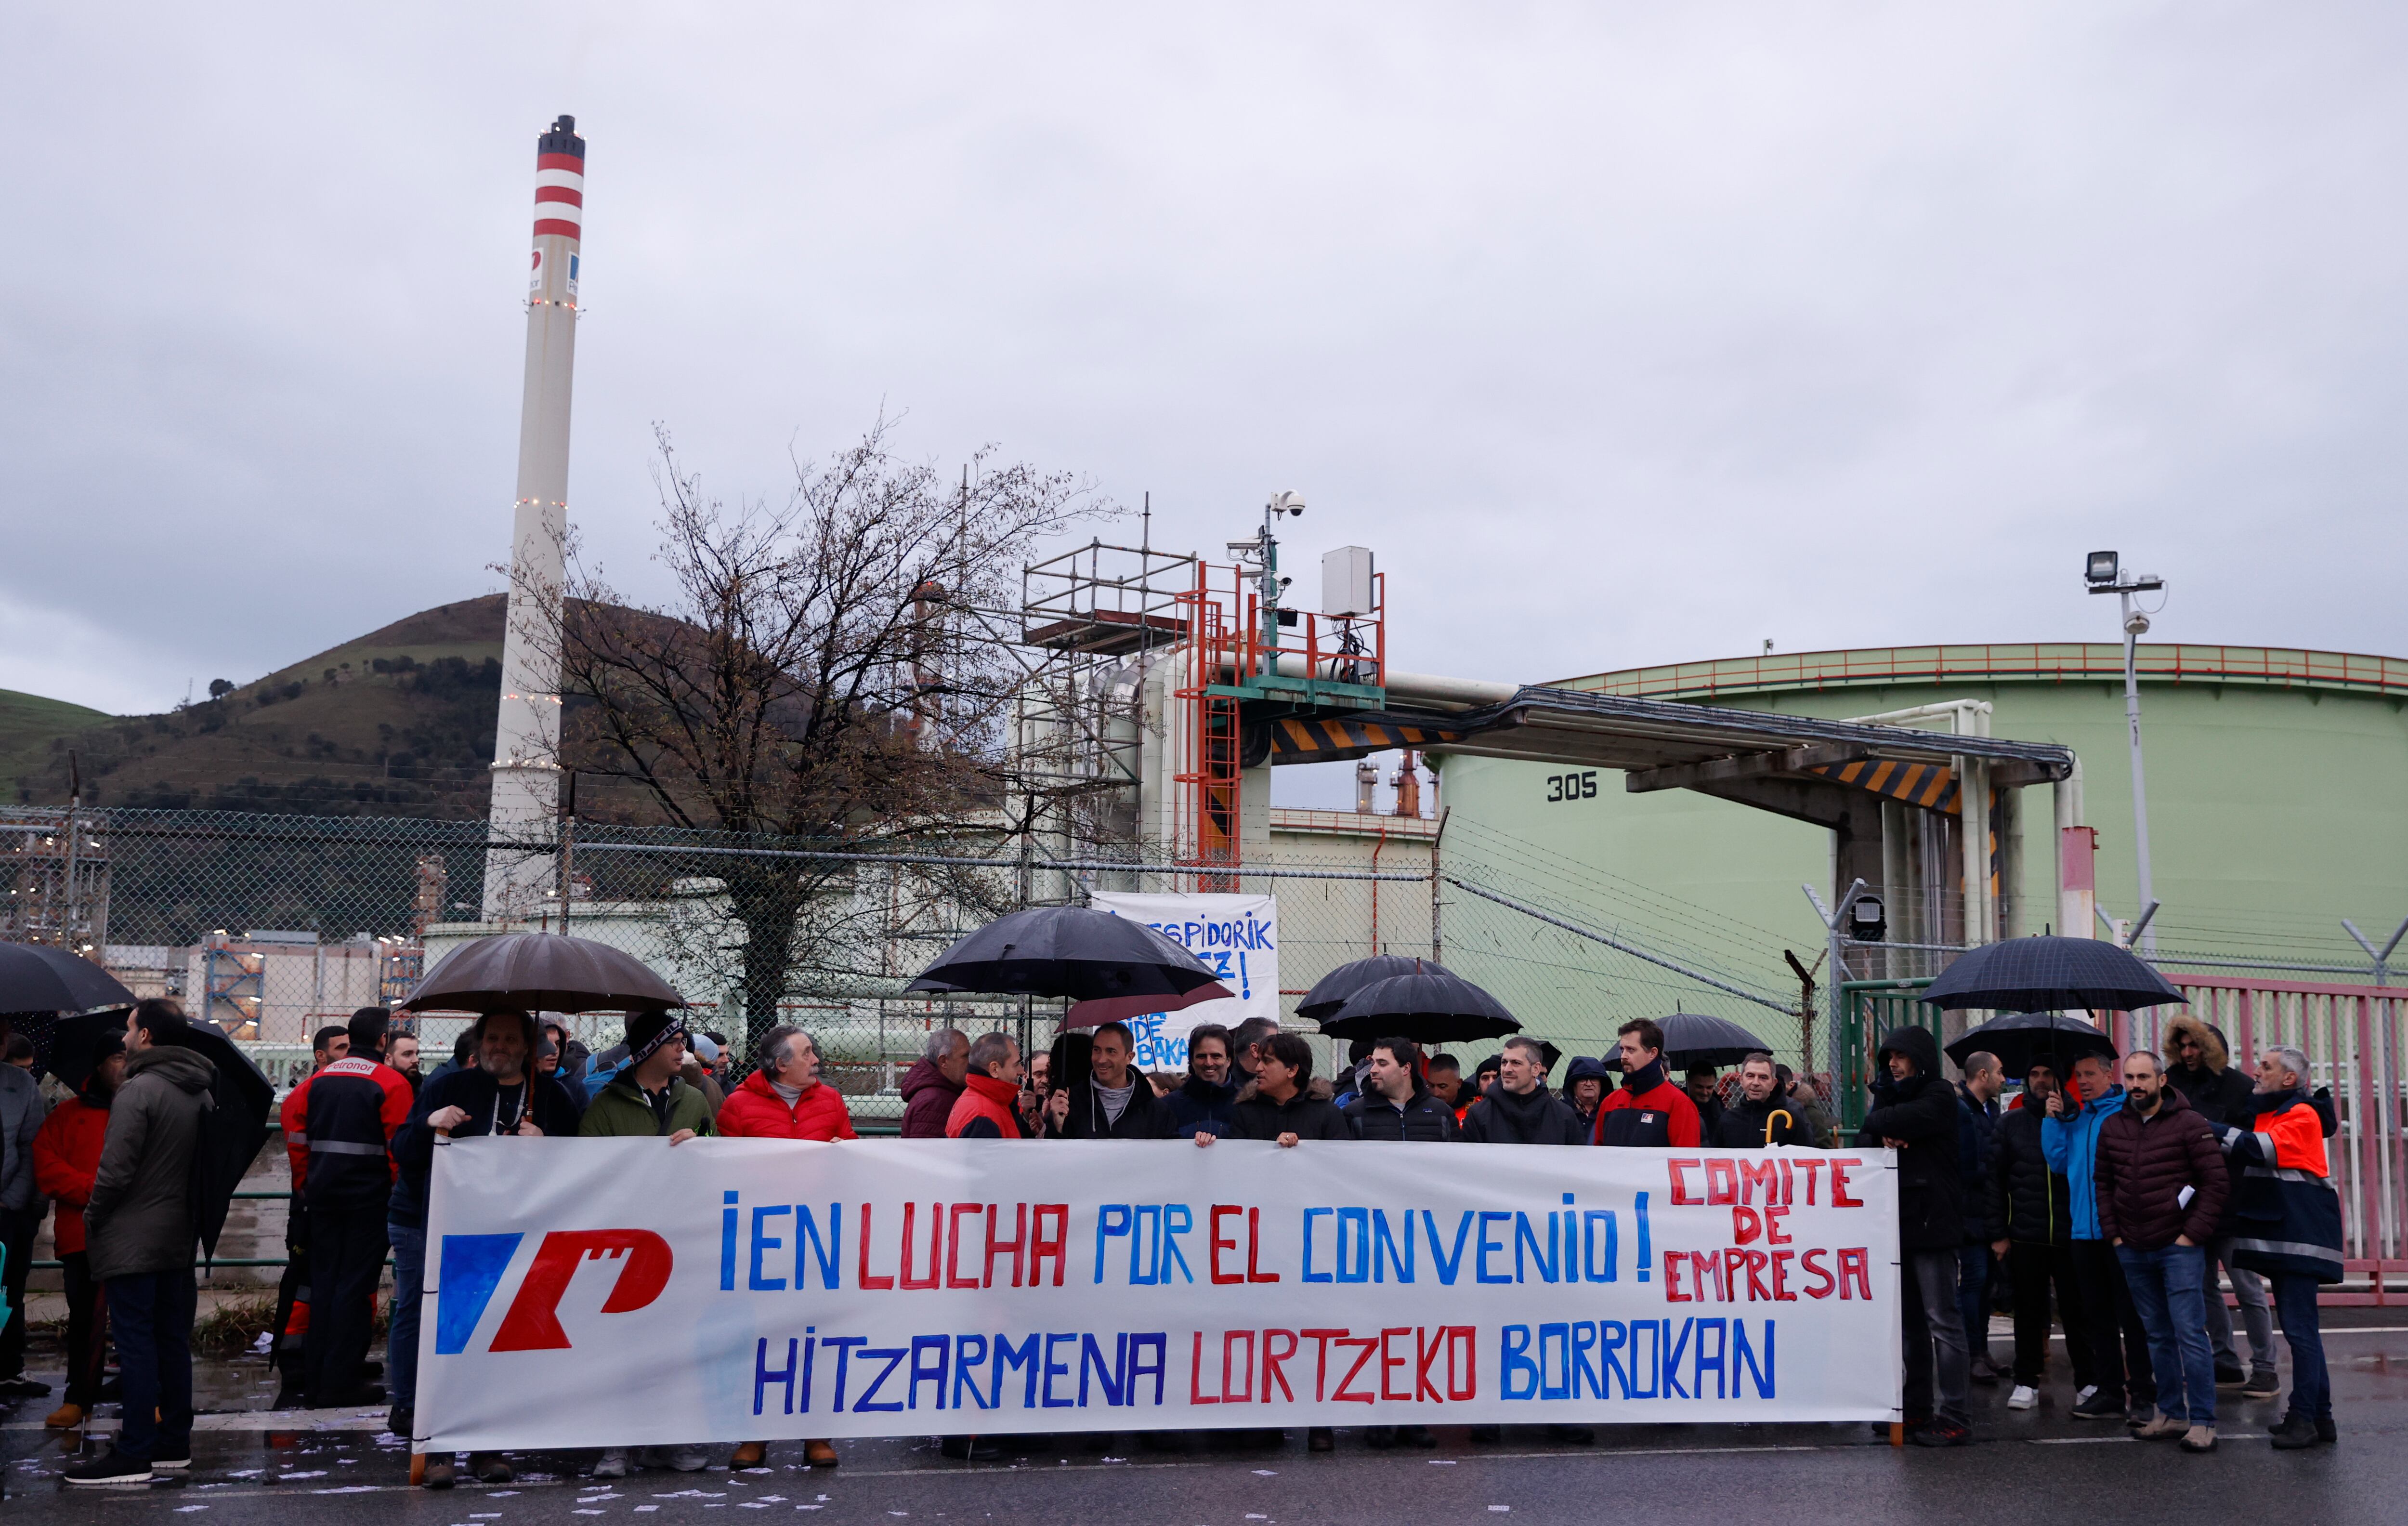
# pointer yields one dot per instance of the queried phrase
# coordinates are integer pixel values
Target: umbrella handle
(1784, 1115)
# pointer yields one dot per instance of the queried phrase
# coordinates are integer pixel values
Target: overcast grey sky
(1624, 333)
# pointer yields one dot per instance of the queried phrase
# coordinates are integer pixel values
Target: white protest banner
(1237, 935)
(625, 1291)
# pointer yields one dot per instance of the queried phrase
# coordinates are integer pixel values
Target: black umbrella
(2029, 974)
(1694, 1038)
(242, 1098)
(37, 977)
(1431, 1006)
(1331, 991)
(527, 971)
(1066, 951)
(2023, 1039)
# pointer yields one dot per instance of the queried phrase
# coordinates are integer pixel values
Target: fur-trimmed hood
(2211, 1042)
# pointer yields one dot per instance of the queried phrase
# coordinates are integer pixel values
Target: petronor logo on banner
(1237, 935)
(622, 1291)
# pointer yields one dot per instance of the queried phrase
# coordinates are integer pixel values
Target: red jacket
(755, 1111)
(986, 1099)
(347, 1115)
(66, 1153)
(1661, 1116)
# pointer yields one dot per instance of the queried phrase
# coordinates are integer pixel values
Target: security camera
(1287, 503)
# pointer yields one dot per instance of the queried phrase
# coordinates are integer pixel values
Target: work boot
(67, 1416)
(819, 1454)
(748, 1454)
(441, 1469)
(490, 1468)
(2296, 1434)
(2199, 1438)
(2265, 1383)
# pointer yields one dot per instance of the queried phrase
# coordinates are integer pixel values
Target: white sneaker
(612, 1464)
(2082, 1396)
(2024, 1398)
(688, 1458)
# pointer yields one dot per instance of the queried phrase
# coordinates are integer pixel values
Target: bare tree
(827, 669)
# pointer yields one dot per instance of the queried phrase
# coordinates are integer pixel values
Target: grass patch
(232, 1328)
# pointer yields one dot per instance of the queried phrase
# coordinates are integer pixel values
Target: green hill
(399, 721)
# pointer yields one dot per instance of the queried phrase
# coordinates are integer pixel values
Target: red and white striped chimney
(520, 883)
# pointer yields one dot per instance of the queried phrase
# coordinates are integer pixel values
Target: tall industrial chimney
(526, 768)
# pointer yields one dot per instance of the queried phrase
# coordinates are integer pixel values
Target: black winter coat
(1978, 1142)
(1538, 1116)
(1922, 1113)
(2218, 1096)
(1741, 1126)
(2023, 1199)
(1199, 1107)
(1146, 1117)
(1308, 1115)
(1423, 1118)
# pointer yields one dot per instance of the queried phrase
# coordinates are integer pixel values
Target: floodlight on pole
(2103, 571)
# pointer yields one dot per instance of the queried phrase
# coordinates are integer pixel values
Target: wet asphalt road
(2038, 1466)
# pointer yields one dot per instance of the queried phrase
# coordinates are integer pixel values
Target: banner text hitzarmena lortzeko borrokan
(609, 1292)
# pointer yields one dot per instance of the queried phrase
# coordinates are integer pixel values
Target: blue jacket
(2071, 1146)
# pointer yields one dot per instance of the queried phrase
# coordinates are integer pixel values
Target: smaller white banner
(1238, 935)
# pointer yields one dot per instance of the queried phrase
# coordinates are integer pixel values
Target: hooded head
(2190, 1042)
(1915, 1044)
(1588, 1068)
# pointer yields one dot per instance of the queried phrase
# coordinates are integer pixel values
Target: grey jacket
(139, 1218)
(22, 1111)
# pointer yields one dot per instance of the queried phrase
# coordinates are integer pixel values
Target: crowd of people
(2108, 1200)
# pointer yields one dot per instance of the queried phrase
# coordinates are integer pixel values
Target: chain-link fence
(274, 926)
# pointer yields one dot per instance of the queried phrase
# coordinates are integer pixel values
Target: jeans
(2295, 1299)
(2035, 1267)
(1935, 1337)
(2166, 1286)
(1974, 1300)
(2120, 1346)
(2256, 1313)
(17, 1230)
(87, 1330)
(153, 1316)
(408, 1292)
(346, 1255)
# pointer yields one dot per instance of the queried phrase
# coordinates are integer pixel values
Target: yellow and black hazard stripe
(1316, 738)
(1931, 786)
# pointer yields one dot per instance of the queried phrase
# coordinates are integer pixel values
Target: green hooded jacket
(622, 1109)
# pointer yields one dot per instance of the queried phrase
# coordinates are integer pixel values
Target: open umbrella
(2023, 1039)
(2039, 974)
(241, 1095)
(1075, 952)
(1430, 1006)
(38, 977)
(1331, 991)
(525, 971)
(1695, 1038)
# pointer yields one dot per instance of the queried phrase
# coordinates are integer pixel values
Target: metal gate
(2354, 1037)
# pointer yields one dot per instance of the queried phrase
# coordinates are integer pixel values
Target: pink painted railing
(2354, 1039)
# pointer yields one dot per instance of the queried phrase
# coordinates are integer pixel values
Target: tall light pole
(2102, 570)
